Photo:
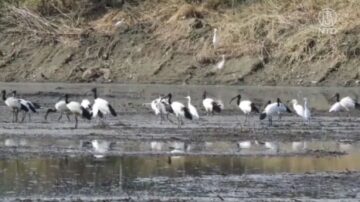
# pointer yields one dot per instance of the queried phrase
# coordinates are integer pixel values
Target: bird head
(188, 97)
(215, 30)
(336, 96)
(14, 93)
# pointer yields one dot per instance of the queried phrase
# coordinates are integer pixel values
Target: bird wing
(193, 111)
(335, 107)
(299, 109)
(347, 103)
(245, 106)
(155, 106)
(103, 105)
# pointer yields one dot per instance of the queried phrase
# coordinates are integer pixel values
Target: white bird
(61, 107)
(307, 113)
(192, 109)
(77, 110)
(101, 107)
(101, 147)
(303, 112)
(297, 107)
(244, 144)
(31, 107)
(274, 108)
(221, 63)
(211, 105)
(179, 109)
(215, 39)
(161, 107)
(155, 106)
(346, 103)
(14, 104)
(246, 106)
(119, 23)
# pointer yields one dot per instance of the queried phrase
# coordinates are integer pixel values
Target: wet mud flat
(214, 159)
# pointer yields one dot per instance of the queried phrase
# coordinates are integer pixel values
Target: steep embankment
(161, 41)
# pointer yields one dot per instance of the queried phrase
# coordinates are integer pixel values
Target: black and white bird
(276, 108)
(60, 107)
(179, 109)
(192, 109)
(14, 104)
(246, 106)
(346, 103)
(31, 106)
(101, 107)
(86, 104)
(77, 110)
(211, 105)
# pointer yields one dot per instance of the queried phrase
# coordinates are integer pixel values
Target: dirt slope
(264, 43)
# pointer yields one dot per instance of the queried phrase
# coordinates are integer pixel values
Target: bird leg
(16, 112)
(161, 118)
(29, 117)
(76, 121)
(246, 118)
(168, 118)
(60, 117)
(68, 117)
(23, 118)
(179, 122)
(270, 121)
(13, 115)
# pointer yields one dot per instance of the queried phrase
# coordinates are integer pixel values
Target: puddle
(89, 175)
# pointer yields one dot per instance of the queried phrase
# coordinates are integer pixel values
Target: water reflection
(114, 174)
(102, 148)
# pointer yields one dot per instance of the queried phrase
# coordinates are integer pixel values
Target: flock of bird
(164, 106)
(100, 107)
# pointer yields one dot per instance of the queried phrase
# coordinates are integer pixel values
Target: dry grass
(287, 30)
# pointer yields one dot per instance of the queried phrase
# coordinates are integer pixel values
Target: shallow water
(144, 160)
(106, 176)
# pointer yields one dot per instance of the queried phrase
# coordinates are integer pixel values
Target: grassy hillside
(270, 42)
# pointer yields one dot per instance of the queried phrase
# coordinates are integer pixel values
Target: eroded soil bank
(170, 42)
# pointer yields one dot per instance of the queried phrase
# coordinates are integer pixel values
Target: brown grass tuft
(184, 12)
